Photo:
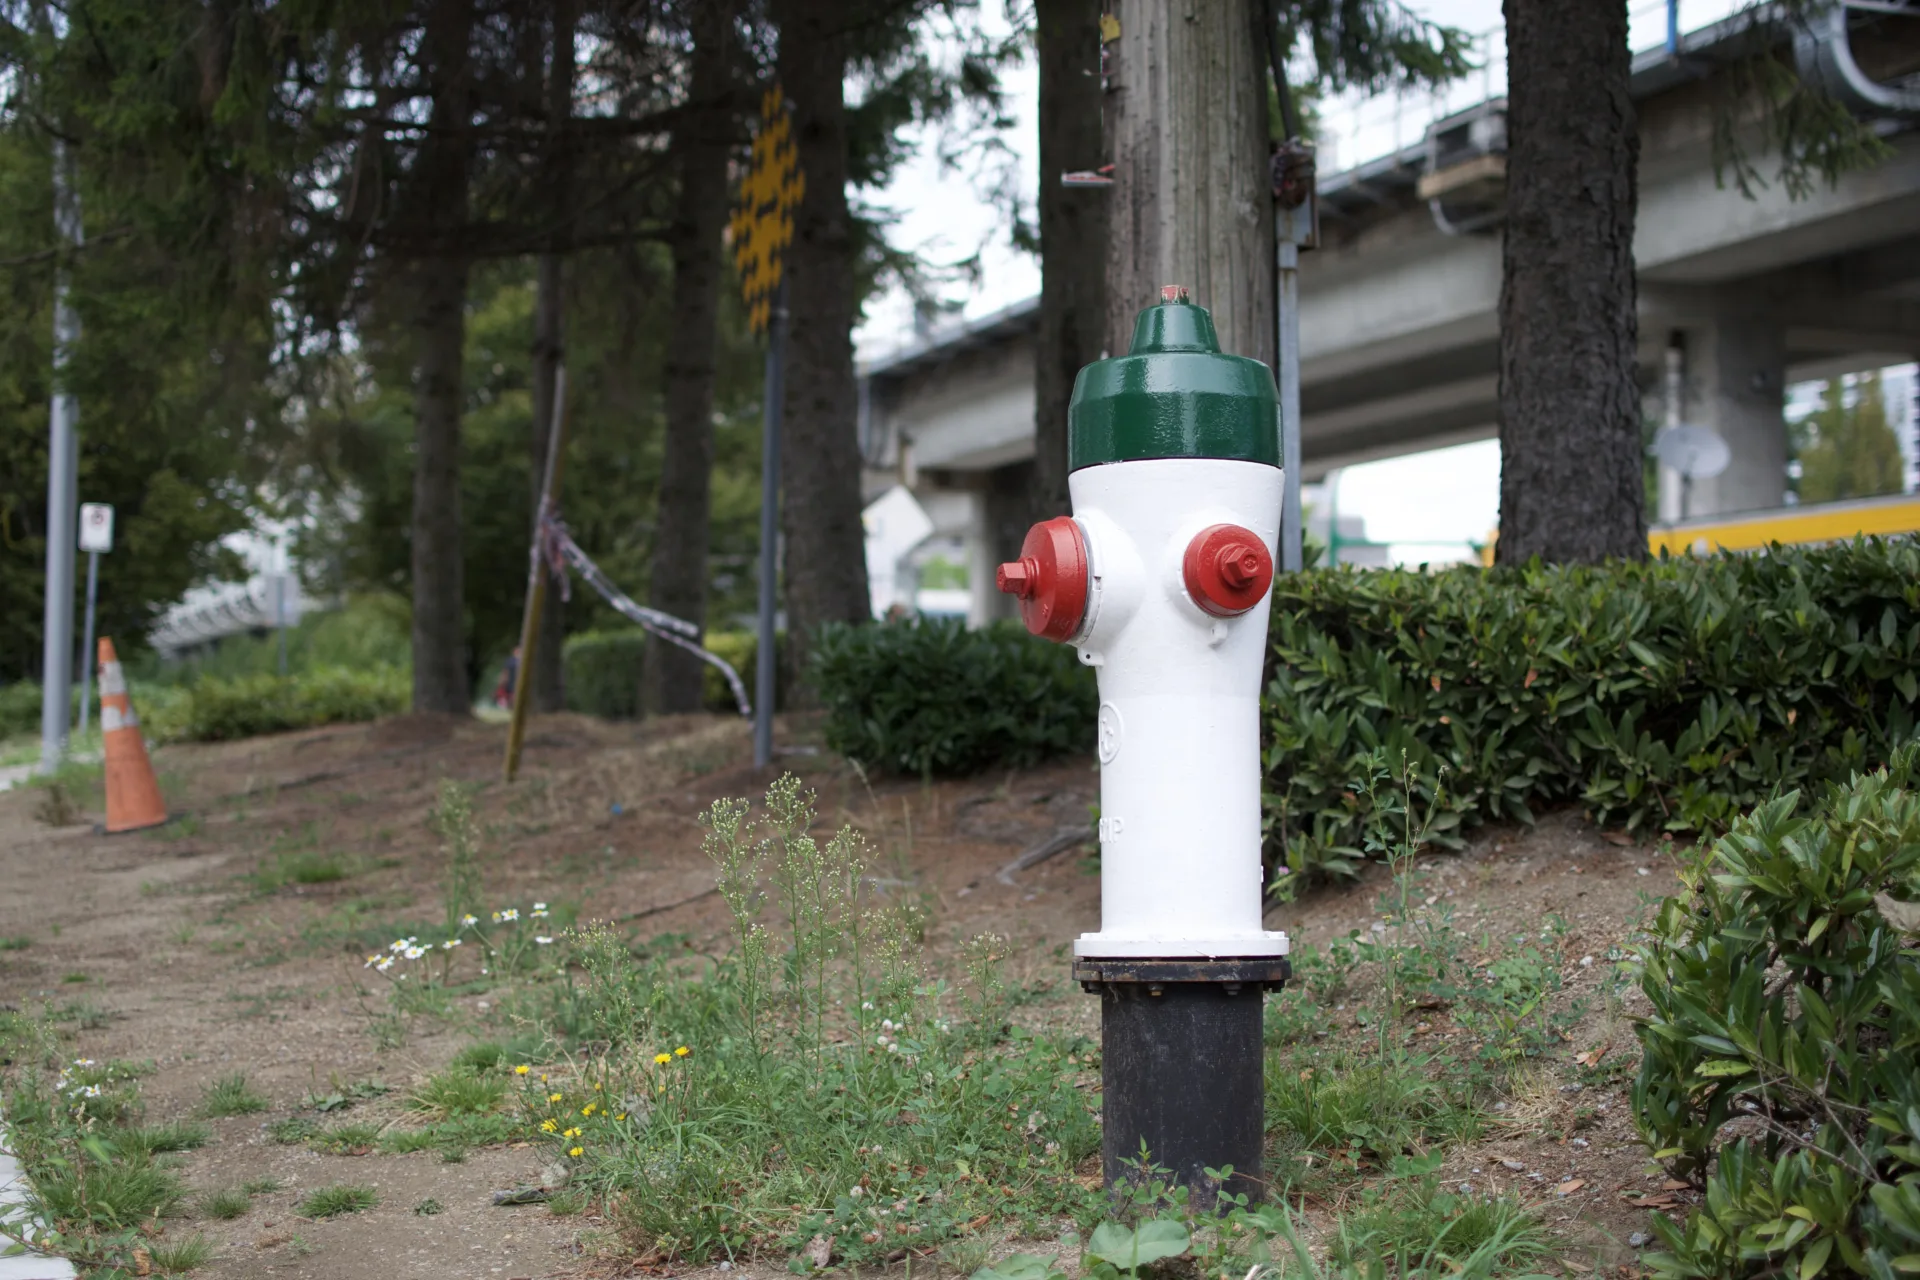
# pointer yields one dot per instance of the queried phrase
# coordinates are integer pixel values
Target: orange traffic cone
(133, 795)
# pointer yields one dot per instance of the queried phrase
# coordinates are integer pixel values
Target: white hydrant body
(1160, 580)
(1179, 722)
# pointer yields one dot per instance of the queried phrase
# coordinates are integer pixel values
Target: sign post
(762, 230)
(96, 538)
(537, 575)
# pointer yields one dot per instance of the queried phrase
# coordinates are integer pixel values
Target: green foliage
(605, 670)
(1781, 1060)
(370, 631)
(216, 710)
(341, 1197)
(1846, 448)
(1669, 695)
(159, 1139)
(231, 1095)
(930, 697)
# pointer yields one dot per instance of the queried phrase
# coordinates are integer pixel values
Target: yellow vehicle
(1814, 522)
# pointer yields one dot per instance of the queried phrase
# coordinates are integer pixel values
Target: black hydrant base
(1181, 1068)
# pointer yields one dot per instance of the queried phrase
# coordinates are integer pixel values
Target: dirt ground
(163, 946)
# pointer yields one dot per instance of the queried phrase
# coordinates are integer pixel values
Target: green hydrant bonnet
(1173, 395)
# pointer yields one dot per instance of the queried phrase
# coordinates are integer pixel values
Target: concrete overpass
(1399, 332)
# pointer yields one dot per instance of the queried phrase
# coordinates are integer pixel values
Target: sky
(1427, 505)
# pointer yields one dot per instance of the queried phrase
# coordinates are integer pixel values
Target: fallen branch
(1058, 843)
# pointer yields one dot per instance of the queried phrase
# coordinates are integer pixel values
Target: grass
(177, 1257)
(260, 1186)
(15, 944)
(226, 1204)
(1425, 1230)
(157, 1139)
(488, 1055)
(108, 1197)
(341, 1197)
(231, 1095)
(428, 1207)
(308, 867)
(457, 1093)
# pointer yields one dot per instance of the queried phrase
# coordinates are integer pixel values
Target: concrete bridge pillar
(1735, 383)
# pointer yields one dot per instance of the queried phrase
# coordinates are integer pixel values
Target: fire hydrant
(1160, 580)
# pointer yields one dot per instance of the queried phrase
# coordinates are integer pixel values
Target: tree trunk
(1571, 486)
(1192, 199)
(1073, 235)
(826, 568)
(440, 678)
(679, 577)
(548, 689)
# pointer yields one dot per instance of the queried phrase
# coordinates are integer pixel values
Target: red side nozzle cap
(1228, 570)
(1049, 579)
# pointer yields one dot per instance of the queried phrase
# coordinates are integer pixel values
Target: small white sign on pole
(96, 526)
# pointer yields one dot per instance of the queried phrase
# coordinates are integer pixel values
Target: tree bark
(1192, 199)
(679, 577)
(826, 568)
(1073, 235)
(1571, 486)
(440, 678)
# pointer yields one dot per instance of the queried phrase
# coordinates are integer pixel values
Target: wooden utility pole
(1192, 202)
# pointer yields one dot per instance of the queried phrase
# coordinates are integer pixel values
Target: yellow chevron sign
(763, 223)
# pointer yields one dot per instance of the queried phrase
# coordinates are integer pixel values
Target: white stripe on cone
(112, 718)
(111, 681)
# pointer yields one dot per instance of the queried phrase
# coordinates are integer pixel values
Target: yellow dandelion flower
(662, 1059)
(571, 1133)
(553, 1097)
(576, 1151)
(621, 1116)
(597, 1088)
(522, 1069)
(682, 1052)
(548, 1126)
(587, 1110)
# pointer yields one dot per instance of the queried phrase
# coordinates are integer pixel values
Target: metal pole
(86, 645)
(280, 601)
(1289, 298)
(63, 490)
(769, 529)
(537, 575)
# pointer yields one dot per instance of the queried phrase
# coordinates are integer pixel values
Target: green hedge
(1670, 695)
(604, 671)
(1780, 1068)
(214, 710)
(928, 696)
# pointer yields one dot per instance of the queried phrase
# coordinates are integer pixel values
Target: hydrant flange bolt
(1228, 570)
(1050, 579)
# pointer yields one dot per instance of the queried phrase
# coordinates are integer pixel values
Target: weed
(177, 1257)
(453, 820)
(292, 1130)
(457, 1092)
(226, 1204)
(345, 1139)
(231, 1095)
(488, 1054)
(428, 1207)
(341, 1197)
(75, 978)
(300, 1247)
(15, 944)
(307, 867)
(340, 1097)
(161, 1138)
(58, 808)
(260, 1186)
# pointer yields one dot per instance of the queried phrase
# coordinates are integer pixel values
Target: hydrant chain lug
(1161, 579)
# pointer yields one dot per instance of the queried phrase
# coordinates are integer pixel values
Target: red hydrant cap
(1050, 579)
(1228, 570)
